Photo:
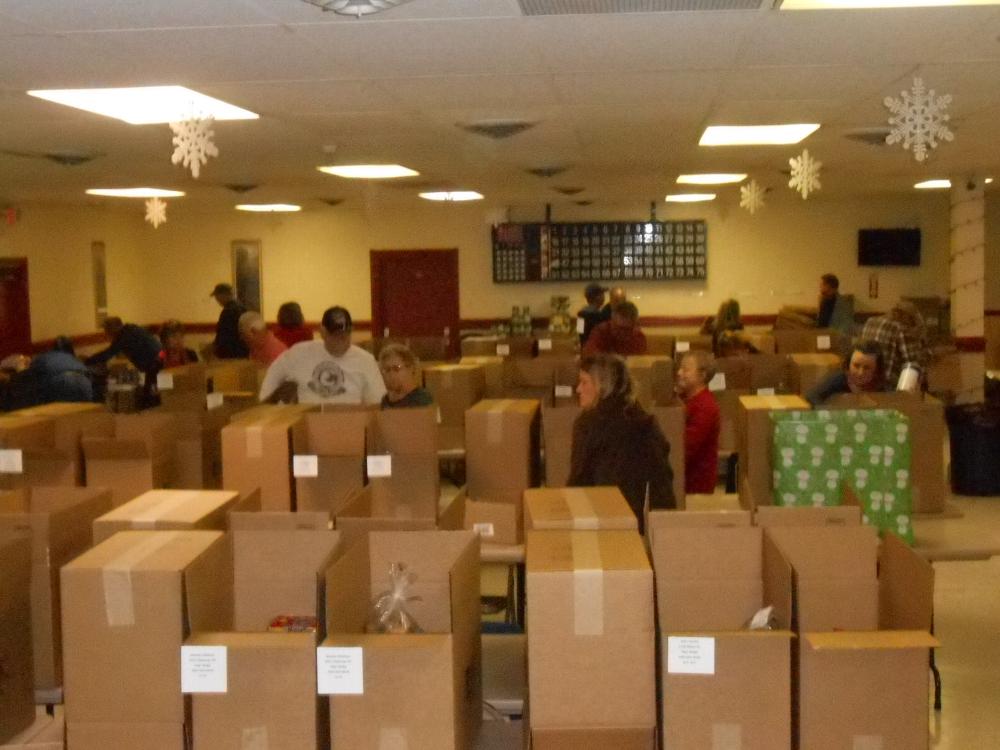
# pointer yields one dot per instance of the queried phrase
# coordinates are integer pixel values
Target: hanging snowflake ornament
(156, 212)
(919, 119)
(752, 196)
(805, 174)
(193, 142)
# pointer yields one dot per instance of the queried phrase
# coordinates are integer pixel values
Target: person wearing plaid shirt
(902, 337)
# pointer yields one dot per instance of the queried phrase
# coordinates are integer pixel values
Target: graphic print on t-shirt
(327, 380)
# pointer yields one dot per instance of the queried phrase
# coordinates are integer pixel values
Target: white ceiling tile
(637, 88)
(472, 91)
(91, 15)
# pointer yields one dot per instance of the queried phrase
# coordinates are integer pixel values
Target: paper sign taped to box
(11, 461)
(823, 343)
(379, 466)
(165, 381)
(204, 669)
(340, 670)
(485, 530)
(545, 345)
(305, 466)
(686, 655)
(683, 346)
(214, 400)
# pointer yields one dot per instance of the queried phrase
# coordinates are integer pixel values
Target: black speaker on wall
(888, 247)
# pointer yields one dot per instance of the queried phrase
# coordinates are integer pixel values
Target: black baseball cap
(337, 320)
(221, 288)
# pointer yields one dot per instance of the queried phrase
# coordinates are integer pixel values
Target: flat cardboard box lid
(276, 641)
(675, 519)
(27, 432)
(834, 515)
(818, 360)
(645, 360)
(147, 551)
(481, 360)
(769, 403)
(524, 406)
(871, 639)
(460, 367)
(567, 551)
(829, 552)
(58, 409)
(173, 506)
(578, 508)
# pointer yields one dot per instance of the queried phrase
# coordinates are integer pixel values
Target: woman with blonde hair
(616, 442)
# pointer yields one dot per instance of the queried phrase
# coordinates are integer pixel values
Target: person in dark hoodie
(616, 442)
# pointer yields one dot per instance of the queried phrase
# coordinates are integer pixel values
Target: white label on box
(379, 466)
(503, 350)
(683, 346)
(305, 466)
(545, 345)
(581, 325)
(142, 378)
(438, 415)
(718, 383)
(214, 400)
(204, 669)
(340, 671)
(823, 343)
(765, 391)
(165, 381)
(484, 530)
(690, 655)
(11, 461)
(564, 391)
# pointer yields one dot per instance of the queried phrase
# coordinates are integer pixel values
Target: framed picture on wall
(246, 273)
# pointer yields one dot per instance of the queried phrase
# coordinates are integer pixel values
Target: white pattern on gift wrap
(776, 477)
(831, 433)
(903, 525)
(861, 478)
(860, 432)
(817, 455)
(802, 433)
(818, 499)
(866, 520)
(832, 479)
(902, 432)
(888, 454)
(902, 479)
(787, 457)
(846, 455)
(789, 498)
(888, 500)
(803, 477)
(875, 454)
(876, 498)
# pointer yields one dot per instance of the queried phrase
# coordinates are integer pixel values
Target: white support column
(967, 285)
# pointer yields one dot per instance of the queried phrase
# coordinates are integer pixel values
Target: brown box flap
(870, 640)
(335, 433)
(407, 431)
(147, 551)
(169, 506)
(835, 515)
(706, 554)
(577, 508)
(825, 552)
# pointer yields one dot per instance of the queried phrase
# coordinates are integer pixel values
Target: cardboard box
(590, 635)
(167, 510)
(369, 509)
(808, 370)
(729, 407)
(495, 521)
(455, 388)
(337, 441)
(659, 345)
(557, 345)
(672, 420)
(198, 449)
(232, 376)
(139, 456)
(864, 637)
(764, 343)
(423, 689)
(17, 690)
(677, 519)
(127, 604)
(493, 346)
(770, 372)
(687, 342)
(183, 388)
(492, 372)
(30, 457)
(808, 341)
(257, 448)
(501, 454)
(408, 437)
(578, 508)
(767, 516)
(46, 733)
(710, 582)
(557, 434)
(735, 372)
(270, 692)
(59, 520)
(754, 444)
(652, 379)
(530, 378)
(276, 520)
(71, 423)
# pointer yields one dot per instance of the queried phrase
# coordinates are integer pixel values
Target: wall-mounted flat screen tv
(888, 247)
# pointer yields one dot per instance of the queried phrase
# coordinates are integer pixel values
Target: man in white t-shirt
(331, 370)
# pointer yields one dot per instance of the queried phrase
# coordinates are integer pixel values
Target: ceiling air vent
(583, 203)
(546, 171)
(869, 136)
(333, 201)
(587, 7)
(497, 129)
(238, 187)
(569, 190)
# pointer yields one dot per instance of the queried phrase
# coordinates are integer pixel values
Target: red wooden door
(15, 319)
(415, 294)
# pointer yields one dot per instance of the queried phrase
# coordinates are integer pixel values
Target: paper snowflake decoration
(193, 143)
(805, 174)
(156, 212)
(919, 119)
(752, 196)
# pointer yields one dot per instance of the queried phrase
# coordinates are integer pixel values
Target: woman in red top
(174, 353)
(701, 422)
(291, 328)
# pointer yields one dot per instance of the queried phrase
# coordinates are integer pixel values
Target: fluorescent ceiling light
(369, 171)
(756, 135)
(145, 105)
(933, 185)
(452, 195)
(689, 197)
(269, 208)
(710, 179)
(848, 4)
(988, 180)
(139, 192)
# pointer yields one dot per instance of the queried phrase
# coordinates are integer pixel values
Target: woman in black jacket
(616, 442)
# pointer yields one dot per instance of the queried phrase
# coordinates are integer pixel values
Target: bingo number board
(607, 251)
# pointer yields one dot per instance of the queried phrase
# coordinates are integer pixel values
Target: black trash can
(975, 449)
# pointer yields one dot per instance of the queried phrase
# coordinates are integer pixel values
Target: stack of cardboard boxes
(17, 690)
(454, 388)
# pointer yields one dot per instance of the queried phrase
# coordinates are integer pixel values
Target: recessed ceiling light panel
(689, 197)
(369, 171)
(756, 135)
(145, 105)
(269, 208)
(452, 195)
(137, 192)
(711, 179)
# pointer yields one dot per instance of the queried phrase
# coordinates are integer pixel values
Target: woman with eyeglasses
(401, 373)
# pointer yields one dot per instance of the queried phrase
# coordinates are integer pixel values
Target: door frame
(19, 266)
(376, 258)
